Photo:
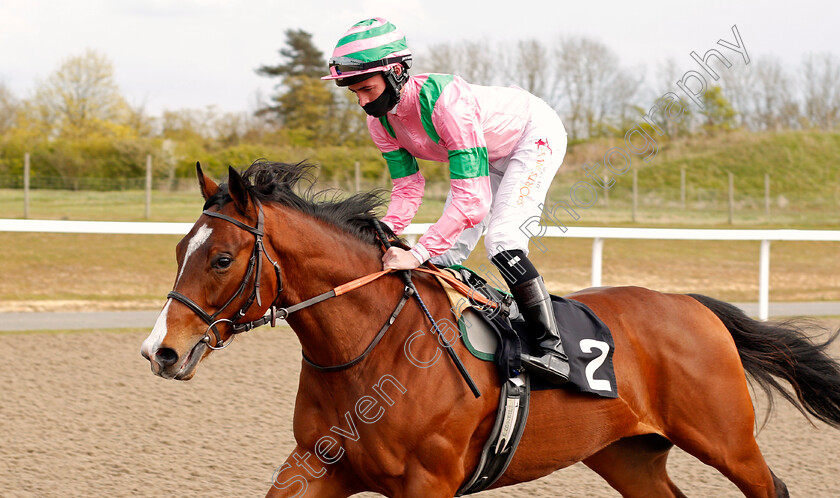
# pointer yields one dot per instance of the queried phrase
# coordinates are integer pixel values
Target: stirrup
(550, 367)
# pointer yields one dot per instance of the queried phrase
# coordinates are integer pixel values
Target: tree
(594, 86)
(303, 102)
(718, 112)
(186, 125)
(739, 85)
(141, 124)
(300, 58)
(532, 70)
(774, 106)
(347, 120)
(582, 78)
(820, 76)
(668, 72)
(80, 99)
(305, 108)
(9, 107)
(438, 58)
(476, 62)
(763, 95)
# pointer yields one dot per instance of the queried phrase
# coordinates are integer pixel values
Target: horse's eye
(222, 262)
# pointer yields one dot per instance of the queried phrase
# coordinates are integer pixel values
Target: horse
(397, 417)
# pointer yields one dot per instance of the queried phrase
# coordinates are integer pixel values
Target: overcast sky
(175, 54)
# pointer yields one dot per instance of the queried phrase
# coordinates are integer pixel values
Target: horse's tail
(783, 350)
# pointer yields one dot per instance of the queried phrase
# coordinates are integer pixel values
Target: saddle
(499, 334)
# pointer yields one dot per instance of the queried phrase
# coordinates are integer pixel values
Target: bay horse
(401, 421)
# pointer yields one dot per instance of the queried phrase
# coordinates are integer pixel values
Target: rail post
(764, 281)
(597, 260)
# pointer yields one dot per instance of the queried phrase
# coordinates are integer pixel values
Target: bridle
(254, 267)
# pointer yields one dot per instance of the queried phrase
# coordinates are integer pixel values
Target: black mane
(292, 185)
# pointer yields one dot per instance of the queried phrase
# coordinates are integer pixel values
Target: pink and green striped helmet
(370, 46)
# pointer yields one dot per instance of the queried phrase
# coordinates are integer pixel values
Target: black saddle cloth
(586, 339)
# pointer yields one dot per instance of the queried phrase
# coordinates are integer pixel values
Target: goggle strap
(370, 65)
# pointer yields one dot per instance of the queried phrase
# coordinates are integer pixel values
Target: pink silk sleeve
(406, 197)
(471, 200)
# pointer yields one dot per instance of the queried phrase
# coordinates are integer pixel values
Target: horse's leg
(708, 409)
(303, 475)
(635, 466)
(736, 455)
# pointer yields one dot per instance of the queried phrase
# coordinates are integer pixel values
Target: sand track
(81, 415)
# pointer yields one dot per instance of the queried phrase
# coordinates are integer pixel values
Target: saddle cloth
(502, 337)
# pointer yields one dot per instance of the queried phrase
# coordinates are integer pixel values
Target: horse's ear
(238, 190)
(208, 187)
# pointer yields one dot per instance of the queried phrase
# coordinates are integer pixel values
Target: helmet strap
(390, 96)
(394, 83)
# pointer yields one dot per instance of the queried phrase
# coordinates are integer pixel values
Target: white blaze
(153, 342)
(198, 239)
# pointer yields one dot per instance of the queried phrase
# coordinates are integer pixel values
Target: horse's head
(221, 263)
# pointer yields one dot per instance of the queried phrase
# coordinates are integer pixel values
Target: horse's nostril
(166, 356)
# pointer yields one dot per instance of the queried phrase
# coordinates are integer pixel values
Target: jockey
(503, 145)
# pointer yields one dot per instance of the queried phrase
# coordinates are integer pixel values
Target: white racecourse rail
(598, 234)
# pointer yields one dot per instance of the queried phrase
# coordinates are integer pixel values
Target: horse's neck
(317, 257)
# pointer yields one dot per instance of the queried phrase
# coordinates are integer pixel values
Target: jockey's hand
(399, 259)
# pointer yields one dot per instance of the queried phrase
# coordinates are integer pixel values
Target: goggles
(347, 65)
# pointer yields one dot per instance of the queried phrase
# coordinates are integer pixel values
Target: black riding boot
(534, 303)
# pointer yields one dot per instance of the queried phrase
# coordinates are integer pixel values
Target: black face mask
(382, 104)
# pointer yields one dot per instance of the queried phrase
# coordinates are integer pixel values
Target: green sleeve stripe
(387, 126)
(400, 163)
(429, 94)
(468, 163)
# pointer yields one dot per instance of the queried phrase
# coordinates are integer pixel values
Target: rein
(406, 277)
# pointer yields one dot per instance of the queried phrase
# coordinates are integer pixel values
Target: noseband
(254, 267)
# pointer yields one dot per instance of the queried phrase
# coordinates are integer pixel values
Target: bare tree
(438, 58)
(528, 65)
(581, 78)
(481, 63)
(668, 72)
(820, 81)
(595, 87)
(773, 101)
(738, 84)
(478, 62)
